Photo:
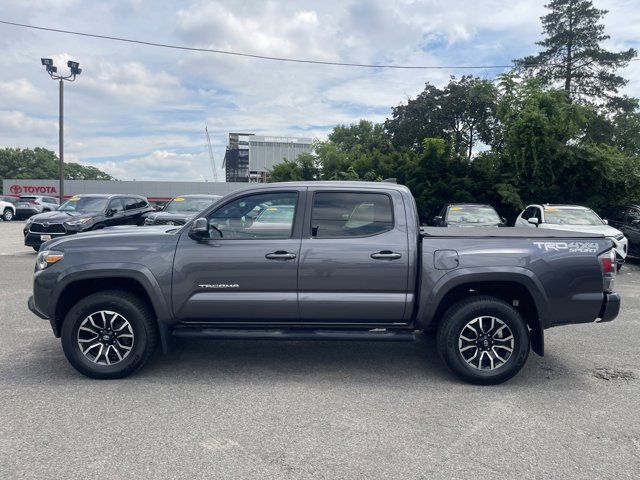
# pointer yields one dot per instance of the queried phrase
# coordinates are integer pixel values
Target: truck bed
(503, 232)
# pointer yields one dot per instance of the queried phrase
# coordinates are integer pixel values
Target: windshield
(188, 205)
(571, 216)
(472, 214)
(84, 204)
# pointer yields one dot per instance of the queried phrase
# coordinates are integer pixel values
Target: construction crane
(213, 163)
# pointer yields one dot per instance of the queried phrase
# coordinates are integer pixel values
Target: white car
(573, 218)
(7, 210)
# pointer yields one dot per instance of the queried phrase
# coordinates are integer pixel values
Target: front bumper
(35, 239)
(32, 306)
(610, 307)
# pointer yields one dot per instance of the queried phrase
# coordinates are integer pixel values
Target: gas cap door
(445, 259)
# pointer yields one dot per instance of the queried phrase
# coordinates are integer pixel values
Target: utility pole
(52, 70)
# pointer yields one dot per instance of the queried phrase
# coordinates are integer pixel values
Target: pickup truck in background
(320, 261)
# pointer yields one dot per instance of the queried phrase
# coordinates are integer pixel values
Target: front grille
(160, 221)
(47, 228)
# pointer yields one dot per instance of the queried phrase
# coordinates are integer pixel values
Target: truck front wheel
(109, 334)
(483, 340)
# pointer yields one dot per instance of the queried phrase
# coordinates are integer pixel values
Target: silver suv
(28, 205)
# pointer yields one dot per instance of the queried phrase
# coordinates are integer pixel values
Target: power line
(267, 57)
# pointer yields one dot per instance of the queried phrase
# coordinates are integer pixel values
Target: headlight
(81, 221)
(619, 237)
(47, 258)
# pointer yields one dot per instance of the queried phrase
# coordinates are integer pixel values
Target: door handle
(386, 255)
(280, 255)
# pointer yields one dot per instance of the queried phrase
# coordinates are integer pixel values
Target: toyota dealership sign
(33, 188)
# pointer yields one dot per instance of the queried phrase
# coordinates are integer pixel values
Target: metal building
(250, 158)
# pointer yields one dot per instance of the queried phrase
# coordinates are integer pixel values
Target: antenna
(213, 164)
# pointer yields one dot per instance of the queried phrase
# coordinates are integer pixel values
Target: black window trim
(308, 233)
(291, 236)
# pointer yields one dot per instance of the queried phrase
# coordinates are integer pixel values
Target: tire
(486, 360)
(7, 215)
(37, 249)
(140, 336)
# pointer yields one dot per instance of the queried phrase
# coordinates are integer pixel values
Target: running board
(294, 334)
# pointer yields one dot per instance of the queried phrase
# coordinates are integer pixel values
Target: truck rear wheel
(483, 340)
(109, 334)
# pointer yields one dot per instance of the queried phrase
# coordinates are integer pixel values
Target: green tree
(572, 52)
(41, 163)
(462, 113)
(304, 167)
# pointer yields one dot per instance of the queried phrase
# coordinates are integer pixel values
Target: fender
(432, 295)
(135, 271)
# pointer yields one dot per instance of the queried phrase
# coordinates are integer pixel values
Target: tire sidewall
(92, 304)
(457, 321)
(7, 213)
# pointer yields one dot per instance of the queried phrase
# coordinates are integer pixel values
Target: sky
(139, 112)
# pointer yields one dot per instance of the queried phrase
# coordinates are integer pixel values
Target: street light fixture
(52, 70)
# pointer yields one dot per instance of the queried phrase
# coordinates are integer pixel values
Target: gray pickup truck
(320, 261)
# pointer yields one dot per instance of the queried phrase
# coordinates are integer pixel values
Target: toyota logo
(15, 189)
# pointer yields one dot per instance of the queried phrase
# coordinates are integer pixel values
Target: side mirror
(110, 212)
(437, 220)
(200, 228)
(533, 221)
(605, 221)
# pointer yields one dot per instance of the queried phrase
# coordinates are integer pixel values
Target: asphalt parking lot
(213, 409)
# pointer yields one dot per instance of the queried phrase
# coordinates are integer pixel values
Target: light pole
(52, 70)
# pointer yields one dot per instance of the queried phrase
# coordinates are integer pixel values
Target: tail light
(34, 202)
(608, 266)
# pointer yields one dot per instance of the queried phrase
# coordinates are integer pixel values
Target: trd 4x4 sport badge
(573, 247)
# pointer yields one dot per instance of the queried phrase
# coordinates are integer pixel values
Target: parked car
(7, 210)
(180, 209)
(573, 218)
(82, 213)
(626, 218)
(468, 215)
(351, 263)
(9, 198)
(28, 205)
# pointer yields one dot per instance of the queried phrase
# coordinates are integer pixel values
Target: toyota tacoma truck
(320, 261)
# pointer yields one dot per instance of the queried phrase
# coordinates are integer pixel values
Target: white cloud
(160, 165)
(18, 91)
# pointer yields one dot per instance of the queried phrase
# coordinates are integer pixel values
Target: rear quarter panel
(562, 275)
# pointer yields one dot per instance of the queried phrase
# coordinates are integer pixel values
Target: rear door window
(350, 214)
(131, 203)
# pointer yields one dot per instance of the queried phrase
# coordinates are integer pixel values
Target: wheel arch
(519, 290)
(141, 282)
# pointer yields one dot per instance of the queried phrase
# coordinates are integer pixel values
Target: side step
(294, 334)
